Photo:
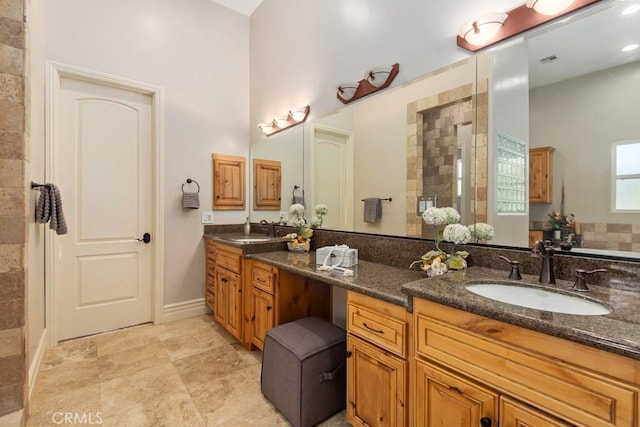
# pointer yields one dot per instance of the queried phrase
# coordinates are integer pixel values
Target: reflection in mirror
(286, 150)
(583, 103)
(377, 149)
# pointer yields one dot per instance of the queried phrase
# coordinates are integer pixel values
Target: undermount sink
(252, 239)
(538, 299)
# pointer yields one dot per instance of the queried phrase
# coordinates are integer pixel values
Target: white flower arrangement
(456, 233)
(453, 216)
(297, 209)
(434, 216)
(320, 211)
(481, 231)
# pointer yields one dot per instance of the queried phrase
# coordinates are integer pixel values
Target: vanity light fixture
(483, 29)
(548, 7)
(376, 78)
(293, 117)
(535, 12)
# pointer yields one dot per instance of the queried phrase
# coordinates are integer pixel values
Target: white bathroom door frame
(347, 220)
(56, 71)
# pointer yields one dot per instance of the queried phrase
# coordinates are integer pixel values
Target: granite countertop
(372, 279)
(618, 332)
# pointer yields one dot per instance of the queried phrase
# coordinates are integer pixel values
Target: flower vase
(300, 247)
(455, 262)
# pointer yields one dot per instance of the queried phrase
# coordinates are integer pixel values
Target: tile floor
(189, 372)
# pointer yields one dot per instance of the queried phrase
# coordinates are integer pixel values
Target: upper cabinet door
(228, 182)
(266, 184)
(540, 174)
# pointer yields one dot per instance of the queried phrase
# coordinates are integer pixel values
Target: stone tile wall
(609, 236)
(431, 147)
(13, 197)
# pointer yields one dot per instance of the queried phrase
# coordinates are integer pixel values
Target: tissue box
(350, 256)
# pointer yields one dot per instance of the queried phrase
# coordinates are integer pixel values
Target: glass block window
(626, 176)
(511, 175)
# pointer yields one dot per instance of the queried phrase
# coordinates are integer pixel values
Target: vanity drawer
(263, 277)
(211, 250)
(229, 258)
(378, 322)
(557, 376)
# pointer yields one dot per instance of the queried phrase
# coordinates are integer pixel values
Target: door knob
(146, 238)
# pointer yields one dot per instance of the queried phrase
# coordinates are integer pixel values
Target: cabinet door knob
(268, 307)
(485, 422)
(349, 354)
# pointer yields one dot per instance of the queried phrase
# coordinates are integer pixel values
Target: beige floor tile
(171, 409)
(186, 326)
(199, 341)
(66, 377)
(140, 388)
(126, 362)
(126, 339)
(211, 365)
(52, 408)
(70, 351)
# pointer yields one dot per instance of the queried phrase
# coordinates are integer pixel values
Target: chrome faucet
(544, 249)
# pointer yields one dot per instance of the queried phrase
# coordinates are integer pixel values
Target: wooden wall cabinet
(267, 189)
(228, 182)
(535, 235)
(541, 175)
(469, 363)
(377, 369)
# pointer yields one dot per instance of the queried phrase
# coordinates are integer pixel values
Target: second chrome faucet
(544, 250)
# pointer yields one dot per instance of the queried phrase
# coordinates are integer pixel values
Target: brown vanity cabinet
(483, 368)
(260, 309)
(228, 289)
(377, 368)
(210, 275)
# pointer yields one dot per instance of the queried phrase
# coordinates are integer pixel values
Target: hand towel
(190, 200)
(298, 199)
(49, 209)
(372, 209)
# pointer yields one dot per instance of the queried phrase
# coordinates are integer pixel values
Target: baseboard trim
(183, 310)
(34, 368)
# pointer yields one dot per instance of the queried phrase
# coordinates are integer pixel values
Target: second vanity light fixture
(284, 121)
(495, 27)
(375, 79)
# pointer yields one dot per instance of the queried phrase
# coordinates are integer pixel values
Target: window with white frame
(626, 176)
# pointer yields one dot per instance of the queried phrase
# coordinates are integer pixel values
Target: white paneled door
(103, 164)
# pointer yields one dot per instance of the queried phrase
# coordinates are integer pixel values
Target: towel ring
(189, 181)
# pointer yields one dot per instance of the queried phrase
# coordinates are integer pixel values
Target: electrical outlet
(207, 217)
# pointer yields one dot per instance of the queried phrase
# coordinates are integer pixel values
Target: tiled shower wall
(431, 145)
(13, 196)
(609, 236)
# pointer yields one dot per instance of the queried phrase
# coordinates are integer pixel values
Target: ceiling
(246, 7)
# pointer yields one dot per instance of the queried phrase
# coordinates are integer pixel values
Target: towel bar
(388, 199)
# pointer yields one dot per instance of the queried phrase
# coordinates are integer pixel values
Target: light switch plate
(207, 217)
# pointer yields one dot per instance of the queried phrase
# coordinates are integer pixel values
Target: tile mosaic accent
(431, 152)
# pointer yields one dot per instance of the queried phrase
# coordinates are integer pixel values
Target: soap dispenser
(247, 227)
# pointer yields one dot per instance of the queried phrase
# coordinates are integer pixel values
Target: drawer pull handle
(377, 331)
(260, 279)
(456, 389)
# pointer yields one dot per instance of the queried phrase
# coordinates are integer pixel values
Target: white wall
(302, 50)
(583, 105)
(198, 52)
(509, 105)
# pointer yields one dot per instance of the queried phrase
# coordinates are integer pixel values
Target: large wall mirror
(582, 103)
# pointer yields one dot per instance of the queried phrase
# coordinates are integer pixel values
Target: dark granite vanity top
(618, 332)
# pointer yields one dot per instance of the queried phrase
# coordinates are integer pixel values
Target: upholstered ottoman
(304, 370)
